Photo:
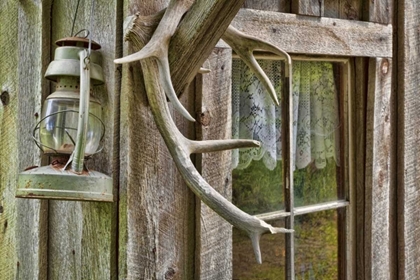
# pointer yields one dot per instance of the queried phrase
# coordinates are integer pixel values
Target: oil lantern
(71, 129)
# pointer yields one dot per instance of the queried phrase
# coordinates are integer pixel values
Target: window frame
(341, 205)
(368, 46)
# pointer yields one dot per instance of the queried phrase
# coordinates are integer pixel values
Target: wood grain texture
(359, 139)
(32, 219)
(325, 36)
(408, 139)
(156, 234)
(268, 5)
(9, 163)
(308, 7)
(195, 38)
(344, 9)
(23, 223)
(213, 105)
(379, 11)
(379, 150)
(82, 236)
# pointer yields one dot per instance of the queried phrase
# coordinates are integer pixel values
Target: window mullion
(287, 142)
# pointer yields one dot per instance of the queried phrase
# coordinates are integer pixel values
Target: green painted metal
(48, 182)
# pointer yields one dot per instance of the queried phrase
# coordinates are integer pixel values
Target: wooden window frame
(368, 46)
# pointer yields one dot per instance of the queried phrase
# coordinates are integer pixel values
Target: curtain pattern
(315, 121)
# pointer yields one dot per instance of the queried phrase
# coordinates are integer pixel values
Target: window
(320, 197)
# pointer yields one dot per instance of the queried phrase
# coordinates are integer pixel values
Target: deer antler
(157, 82)
(157, 47)
(244, 45)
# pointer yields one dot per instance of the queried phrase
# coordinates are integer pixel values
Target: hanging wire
(74, 20)
(92, 10)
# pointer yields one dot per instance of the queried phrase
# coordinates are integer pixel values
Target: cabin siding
(158, 229)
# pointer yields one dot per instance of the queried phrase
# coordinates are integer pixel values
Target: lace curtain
(316, 122)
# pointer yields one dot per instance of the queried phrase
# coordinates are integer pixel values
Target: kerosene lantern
(70, 129)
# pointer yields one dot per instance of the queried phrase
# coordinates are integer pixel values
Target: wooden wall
(157, 229)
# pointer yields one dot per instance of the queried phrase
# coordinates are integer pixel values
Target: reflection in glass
(245, 266)
(316, 246)
(256, 189)
(313, 185)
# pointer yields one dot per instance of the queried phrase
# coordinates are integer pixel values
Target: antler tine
(244, 45)
(208, 146)
(157, 48)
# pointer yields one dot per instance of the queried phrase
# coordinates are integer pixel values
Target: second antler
(156, 72)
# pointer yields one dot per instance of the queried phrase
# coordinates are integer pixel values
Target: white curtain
(316, 119)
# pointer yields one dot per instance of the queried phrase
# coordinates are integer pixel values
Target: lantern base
(47, 182)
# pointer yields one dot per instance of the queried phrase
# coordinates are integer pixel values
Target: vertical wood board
(213, 105)
(308, 7)
(82, 235)
(24, 32)
(156, 233)
(9, 164)
(379, 150)
(408, 131)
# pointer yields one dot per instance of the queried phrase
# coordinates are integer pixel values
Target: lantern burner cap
(77, 42)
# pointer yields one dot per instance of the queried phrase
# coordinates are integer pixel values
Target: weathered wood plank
(408, 131)
(9, 163)
(313, 36)
(344, 9)
(82, 241)
(268, 5)
(379, 11)
(308, 7)
(195, 38)
(157, 217)
(213, 105)
(378, 170)
(25, 38)
(34, 54)
(358, 98)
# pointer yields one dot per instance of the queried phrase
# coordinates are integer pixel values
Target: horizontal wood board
(317, 36)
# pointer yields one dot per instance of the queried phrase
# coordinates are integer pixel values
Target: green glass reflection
(316, 246)
(245, 267)
(256, 189)
(313, 185)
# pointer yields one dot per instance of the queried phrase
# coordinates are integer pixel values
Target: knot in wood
(205, 119)
(170, 273)
(5, 98)
(385, 66)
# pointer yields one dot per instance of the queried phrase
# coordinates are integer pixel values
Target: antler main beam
(154, 62)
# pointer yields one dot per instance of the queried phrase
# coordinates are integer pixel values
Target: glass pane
(272, 251)
(316, 246)
(256, 189)
(313, 185)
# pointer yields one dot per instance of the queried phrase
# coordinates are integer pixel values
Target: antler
(157, 82)
(244, 46)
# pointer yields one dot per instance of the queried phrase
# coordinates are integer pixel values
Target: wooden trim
(378, 171)
(317, 36)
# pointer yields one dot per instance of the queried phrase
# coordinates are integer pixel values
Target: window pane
(272, 251)
(256, 189)
(313, 185)
(316, 246)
